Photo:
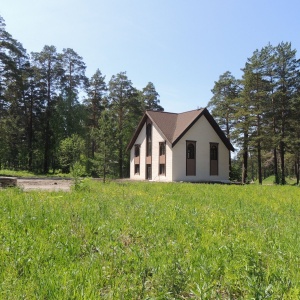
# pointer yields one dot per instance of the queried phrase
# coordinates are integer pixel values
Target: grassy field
(151, 241)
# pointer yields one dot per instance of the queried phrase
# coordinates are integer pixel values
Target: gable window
(149, 140)
(190, 158)
(137, 159)
(214, 155)
(162, 148)
(136, 150)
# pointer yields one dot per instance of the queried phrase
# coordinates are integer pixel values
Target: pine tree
(223, 104)
(72, 79)
(150, 98)
(95, 103)
(256, 90)
(47, 71)
(127, 110)
(286, 74)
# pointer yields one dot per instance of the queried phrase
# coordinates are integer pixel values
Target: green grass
(271, 181)
(151, 241)
(4, 172)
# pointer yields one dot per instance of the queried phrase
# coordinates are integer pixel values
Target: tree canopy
(52, 116)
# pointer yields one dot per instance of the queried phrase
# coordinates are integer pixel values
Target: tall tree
(47, 73)
(223, 104)
(106, 153)
(286, 74)
(95, 103)
(256, 90)
(127, 109)
(72, 80)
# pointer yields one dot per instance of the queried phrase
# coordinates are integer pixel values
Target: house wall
(141, 140)
(203, 133)
(157, 137)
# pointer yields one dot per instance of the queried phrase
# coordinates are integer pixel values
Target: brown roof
(173, 126)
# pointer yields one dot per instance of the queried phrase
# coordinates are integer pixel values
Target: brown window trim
(215, 155)
(137, 169)
(162, 158)
(194, 157)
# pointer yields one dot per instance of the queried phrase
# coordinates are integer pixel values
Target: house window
(148, 172)
(149, 140)
(162, 169)
(136, 159)
(214, 155)
(136, 169)
(162, 148)
(136, 150)
(162, 158)
(190, 158)
(190, 151)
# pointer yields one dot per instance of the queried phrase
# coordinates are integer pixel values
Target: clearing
(45, 184)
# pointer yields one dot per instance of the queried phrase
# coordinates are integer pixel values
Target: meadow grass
(20, 174)
(151, 241)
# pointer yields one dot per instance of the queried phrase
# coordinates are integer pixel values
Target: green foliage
(40, 107)
(71, 151)
(150, 241)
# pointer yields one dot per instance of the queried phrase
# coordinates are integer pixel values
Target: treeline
(45, 126)
(260, 113)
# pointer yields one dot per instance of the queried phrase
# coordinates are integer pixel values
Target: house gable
(202, 136)
(174, 126)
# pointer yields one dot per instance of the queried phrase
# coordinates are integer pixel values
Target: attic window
(149, 140)
(162, 148)
(136, 150)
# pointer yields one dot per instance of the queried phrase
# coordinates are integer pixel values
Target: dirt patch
(45, 184)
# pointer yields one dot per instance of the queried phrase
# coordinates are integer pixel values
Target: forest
(260, 114)
(54, 118)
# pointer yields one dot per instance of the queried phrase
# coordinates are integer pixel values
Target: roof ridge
(177, 133)
(201, 108)
(159, 111)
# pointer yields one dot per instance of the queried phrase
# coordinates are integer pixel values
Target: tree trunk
(259, 162)
(281, 152)
(275, 166)
(228, 136)
(297, 169)
(30, 135)
(245, 159)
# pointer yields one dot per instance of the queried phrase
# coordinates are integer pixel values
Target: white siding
(141, 140)
(157, 137)
(203, 133)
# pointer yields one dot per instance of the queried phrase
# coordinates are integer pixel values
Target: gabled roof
(174, 126)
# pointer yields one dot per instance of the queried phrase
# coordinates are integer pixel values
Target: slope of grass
(151, 241)
(271, 180)
(20, 174)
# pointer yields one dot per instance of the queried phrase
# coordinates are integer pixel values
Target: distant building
(188, 146)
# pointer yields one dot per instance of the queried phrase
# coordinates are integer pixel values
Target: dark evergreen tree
(71, 81)
(95, 103)
(223, 104)
(150, 98)
(126, 108)
(47, 73)
(286, 76)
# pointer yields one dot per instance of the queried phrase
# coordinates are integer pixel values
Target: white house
(188, 146)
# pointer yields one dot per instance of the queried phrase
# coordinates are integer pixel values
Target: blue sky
(181, 46)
